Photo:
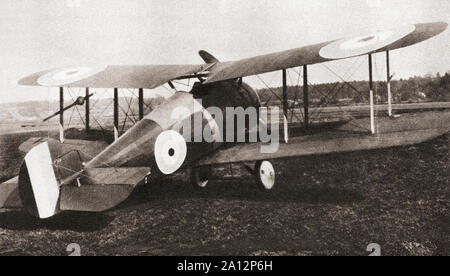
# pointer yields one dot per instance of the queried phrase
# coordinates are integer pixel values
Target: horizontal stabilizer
(115, 176)
(93, 198)
(9, 194)
(101, 189)
(93, 147)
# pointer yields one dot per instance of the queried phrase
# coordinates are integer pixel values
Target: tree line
(426, 88)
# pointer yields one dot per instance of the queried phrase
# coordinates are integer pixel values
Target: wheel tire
(265, 175)
(200, 177)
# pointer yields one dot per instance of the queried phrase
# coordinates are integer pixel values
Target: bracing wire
(352, 122)
(293, 113)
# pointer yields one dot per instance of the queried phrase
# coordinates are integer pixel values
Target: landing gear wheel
(200, 177)
(265, 175)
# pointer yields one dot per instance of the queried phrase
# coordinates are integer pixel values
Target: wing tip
(443, 26)
(435, 28)
(30, 80)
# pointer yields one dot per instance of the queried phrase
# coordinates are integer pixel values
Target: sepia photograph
(224, 134)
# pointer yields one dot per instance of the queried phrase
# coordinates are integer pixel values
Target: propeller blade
(78, 101)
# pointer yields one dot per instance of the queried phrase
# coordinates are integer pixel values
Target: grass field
(324, 205)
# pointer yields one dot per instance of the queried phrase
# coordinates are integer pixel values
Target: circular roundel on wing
(170, 151)
(68, 75)
(351, 47)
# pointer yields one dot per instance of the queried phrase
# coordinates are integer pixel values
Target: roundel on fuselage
(170, 151)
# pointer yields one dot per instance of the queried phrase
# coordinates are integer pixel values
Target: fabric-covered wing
(409, 129)
(320, 144)
(116, 76)
(327, 51)
(152, 76)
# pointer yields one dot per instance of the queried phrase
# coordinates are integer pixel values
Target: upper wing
(116, 76)
(327, 51)
(151, 76)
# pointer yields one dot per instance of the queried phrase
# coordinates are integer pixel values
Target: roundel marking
(170, 151)
(68, 75)
(355, 46)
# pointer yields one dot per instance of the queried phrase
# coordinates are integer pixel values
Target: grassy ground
(323, 205)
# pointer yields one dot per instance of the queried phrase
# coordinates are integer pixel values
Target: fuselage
(137, 146)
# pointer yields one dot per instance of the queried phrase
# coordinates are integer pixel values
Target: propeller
(78, 101)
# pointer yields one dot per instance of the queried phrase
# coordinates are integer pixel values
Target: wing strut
(116, 113)
(285, 108)
(285, 96)
(372, 106)
(141, 103)
(87, 107)
(306, 95)
(61, 114)
(389, 78)
(61, 106)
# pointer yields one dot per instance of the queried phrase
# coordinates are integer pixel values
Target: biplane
(60, 175)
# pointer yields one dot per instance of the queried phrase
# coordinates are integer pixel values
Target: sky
(43, 34)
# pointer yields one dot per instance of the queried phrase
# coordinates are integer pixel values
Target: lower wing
(409, 129)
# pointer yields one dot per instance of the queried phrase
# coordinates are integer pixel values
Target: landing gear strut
(200, 177)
